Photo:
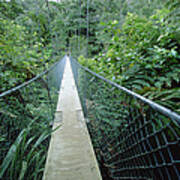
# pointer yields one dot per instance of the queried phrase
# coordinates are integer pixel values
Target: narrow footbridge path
(132, 136)
(71, 155)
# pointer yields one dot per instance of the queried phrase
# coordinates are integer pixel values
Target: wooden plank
(70, 155)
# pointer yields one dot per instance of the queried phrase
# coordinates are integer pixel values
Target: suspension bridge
(100, 130)
(71, 154)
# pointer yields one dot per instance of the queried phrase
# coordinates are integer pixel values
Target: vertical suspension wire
(40, 39)
(74, 37)
(49, 14)
(69, 43)
(55, 33)
(79, 29)
(87, 27)
(69, 49)
(47, 4)
(76, 47)
(48, 19)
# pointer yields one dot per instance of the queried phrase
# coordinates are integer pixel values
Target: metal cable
(87, 27)
(133, 137)
(154, 105)
(30, 81)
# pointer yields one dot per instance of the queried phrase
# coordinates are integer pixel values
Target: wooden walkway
(70, 155)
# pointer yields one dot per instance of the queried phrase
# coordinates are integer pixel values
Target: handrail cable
(38, 76)
(29, 81)
(161, 109)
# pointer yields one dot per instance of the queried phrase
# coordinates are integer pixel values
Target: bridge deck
(70, 155)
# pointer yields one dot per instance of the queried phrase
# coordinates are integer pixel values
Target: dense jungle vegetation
(125, 38)
(140, 50)
(133, 43)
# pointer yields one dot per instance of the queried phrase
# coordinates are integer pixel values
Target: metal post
(87, 27)
(79, 29)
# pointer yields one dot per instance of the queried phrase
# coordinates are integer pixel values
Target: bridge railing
(133, 137)
(26, 115)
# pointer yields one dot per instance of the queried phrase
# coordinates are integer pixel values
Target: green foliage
(25, 128)
(26, 49)
(18, 59)
(10, 10)
(87, 62)
(25, 42)
(143, 56)
(137, 43)
(119, 122)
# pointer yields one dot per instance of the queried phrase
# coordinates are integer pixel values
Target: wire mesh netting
(26, 114)
(132, 138)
